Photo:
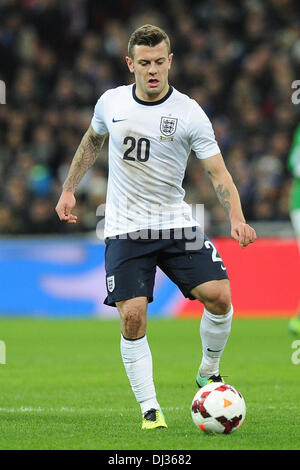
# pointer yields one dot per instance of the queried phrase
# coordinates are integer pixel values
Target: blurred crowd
(236, 59)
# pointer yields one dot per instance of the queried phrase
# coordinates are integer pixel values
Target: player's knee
(221, 304)
(133, 318)
(217, 298)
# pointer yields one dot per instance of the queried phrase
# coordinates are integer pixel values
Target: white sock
(214, 332)
(137, 361)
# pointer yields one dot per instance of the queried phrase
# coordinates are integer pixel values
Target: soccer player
(294, 167)
(152, 129)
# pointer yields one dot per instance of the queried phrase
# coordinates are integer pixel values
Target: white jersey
(149, 144)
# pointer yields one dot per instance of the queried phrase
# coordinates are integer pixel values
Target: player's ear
(170, 60)
(129, 63)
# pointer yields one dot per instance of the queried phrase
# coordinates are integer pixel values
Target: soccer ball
(218, 407)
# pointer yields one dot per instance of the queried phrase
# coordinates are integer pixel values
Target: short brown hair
(147, 35)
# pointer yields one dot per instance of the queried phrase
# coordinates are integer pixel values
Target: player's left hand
(243, 233)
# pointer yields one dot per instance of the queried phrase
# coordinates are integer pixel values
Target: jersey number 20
(142, 149)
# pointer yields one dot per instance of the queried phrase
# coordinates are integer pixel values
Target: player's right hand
(243, 233)
(64, 207)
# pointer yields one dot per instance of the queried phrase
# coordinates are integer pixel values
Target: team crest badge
(110, 283)
(168, 125)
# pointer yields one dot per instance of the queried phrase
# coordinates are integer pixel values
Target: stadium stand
(237, 59)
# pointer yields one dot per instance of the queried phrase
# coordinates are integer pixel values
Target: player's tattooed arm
(228, 196)
(223, 194)
(85, 156)
(224, 186)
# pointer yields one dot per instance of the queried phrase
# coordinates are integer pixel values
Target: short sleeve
(202, 136)
(98, 120)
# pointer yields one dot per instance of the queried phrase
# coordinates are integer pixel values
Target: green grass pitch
(64, 386)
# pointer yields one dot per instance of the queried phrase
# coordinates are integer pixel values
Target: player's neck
(151, 98)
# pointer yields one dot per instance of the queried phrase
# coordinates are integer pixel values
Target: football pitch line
(29, 409)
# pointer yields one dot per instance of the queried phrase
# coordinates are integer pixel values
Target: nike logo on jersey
(118, 120)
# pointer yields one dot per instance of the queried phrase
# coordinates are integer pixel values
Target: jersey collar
(151, 103)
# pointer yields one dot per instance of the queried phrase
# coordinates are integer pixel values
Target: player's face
(151, 66)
